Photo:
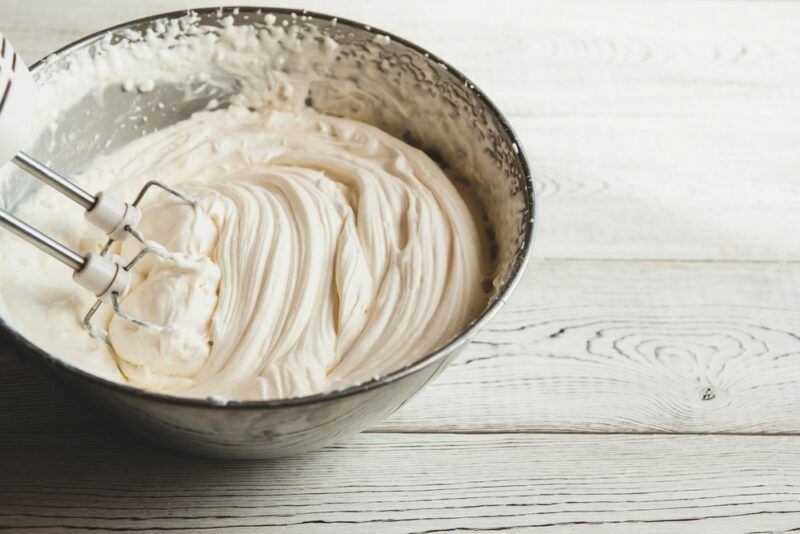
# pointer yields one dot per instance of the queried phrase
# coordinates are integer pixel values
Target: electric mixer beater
(105, 278)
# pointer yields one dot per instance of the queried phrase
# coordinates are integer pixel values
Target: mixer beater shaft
(107, 279)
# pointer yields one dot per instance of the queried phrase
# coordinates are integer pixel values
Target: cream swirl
(323, 252)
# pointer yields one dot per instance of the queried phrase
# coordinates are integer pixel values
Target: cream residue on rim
(321, 252)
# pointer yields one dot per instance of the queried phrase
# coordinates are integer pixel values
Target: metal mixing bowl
(499, 175)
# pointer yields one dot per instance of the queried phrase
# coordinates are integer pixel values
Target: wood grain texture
(623, 346)
(563, 483)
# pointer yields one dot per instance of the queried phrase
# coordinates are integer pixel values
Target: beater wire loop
(147, 249)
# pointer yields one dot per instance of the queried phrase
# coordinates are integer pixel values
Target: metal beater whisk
(107, 279)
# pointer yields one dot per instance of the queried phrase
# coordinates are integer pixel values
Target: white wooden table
(644, 377)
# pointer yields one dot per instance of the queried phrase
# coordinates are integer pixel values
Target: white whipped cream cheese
(321, 252)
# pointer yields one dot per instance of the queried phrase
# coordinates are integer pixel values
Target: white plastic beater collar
(113, 216)
(102, 276)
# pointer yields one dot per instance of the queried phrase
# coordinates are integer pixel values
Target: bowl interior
(374, 77)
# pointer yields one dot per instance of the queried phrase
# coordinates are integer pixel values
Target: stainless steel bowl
(498, 173)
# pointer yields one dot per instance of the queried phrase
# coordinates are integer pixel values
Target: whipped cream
(321, 251)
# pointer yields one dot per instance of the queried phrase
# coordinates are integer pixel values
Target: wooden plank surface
(621, 346)
(663, 298)
(562, 483)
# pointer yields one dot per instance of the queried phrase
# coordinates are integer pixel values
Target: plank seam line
(597, 433)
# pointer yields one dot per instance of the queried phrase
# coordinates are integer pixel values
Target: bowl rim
(463, 337)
